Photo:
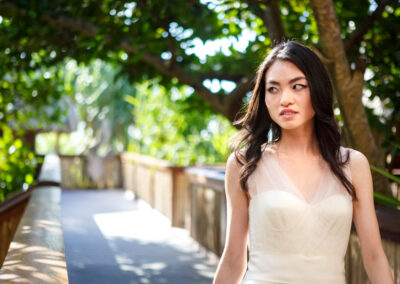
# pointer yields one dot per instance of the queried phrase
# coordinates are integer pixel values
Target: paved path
(112, 239)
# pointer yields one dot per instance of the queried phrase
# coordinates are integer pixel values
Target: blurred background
(141, 96)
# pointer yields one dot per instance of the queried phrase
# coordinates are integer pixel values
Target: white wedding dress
(292, 240)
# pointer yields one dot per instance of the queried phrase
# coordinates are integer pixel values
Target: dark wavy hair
(256, 123)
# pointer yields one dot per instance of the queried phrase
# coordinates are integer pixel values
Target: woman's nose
(286, 98)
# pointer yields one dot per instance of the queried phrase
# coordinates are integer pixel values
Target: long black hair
(257, 122)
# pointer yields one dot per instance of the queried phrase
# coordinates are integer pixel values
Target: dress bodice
(292, 240)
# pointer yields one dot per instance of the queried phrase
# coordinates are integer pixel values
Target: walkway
(110, 238)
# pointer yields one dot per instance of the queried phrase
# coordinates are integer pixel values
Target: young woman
(291, 187)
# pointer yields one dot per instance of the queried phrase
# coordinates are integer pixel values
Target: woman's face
(288, 96)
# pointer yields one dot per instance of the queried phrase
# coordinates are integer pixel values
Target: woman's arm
(365, 221)
(233, 262)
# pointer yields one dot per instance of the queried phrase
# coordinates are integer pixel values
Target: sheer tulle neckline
(290, 182)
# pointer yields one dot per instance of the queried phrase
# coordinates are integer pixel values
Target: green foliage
(177, 126)
(87, 30)
(17, 164)
(98, 90)
(386, 200)
(386, 174)
(31, 100)
(382, 198)
(45, 143)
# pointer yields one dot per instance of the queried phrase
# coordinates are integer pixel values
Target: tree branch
(270, 17)
(236, 96)
(223, 104)
(356, 37)
(221, 76)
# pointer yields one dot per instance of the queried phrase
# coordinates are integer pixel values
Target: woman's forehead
(283, 71)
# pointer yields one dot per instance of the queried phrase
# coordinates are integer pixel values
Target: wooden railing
(160, 184)
(75, 172)
(36, 253)
(208, 207)
(11, 211)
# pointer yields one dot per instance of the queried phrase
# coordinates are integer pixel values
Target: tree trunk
(348, 89)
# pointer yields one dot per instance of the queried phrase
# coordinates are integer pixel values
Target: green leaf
(387, 200)
(386, 174)
(132, 100)
(29, 178)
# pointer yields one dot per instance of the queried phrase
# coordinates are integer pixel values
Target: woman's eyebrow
(291, 80)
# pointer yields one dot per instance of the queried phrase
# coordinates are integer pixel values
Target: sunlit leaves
(177, 126)
(170, 30)
(17, 164)
(99, 91)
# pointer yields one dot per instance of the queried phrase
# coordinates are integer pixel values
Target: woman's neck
(298, 142)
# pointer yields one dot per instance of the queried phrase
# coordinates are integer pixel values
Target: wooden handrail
(13, 201)
(36, 254)
(212, 177)
(11, 211)
(148, 161)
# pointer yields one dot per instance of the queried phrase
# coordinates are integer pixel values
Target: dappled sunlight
(36, 254)
(137, 244)
(33, 264)
(146, 227)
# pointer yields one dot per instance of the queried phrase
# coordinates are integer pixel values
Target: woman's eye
(271, 90)
(299, 86)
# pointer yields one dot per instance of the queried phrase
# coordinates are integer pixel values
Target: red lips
(287, 110)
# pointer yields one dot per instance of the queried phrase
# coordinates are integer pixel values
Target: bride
(292, 190)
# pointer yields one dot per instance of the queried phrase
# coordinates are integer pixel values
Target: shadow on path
(110, 239)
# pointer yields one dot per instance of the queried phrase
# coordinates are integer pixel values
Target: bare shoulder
(232, 176)
(360, 173)
(358, 161)
(232, 163)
